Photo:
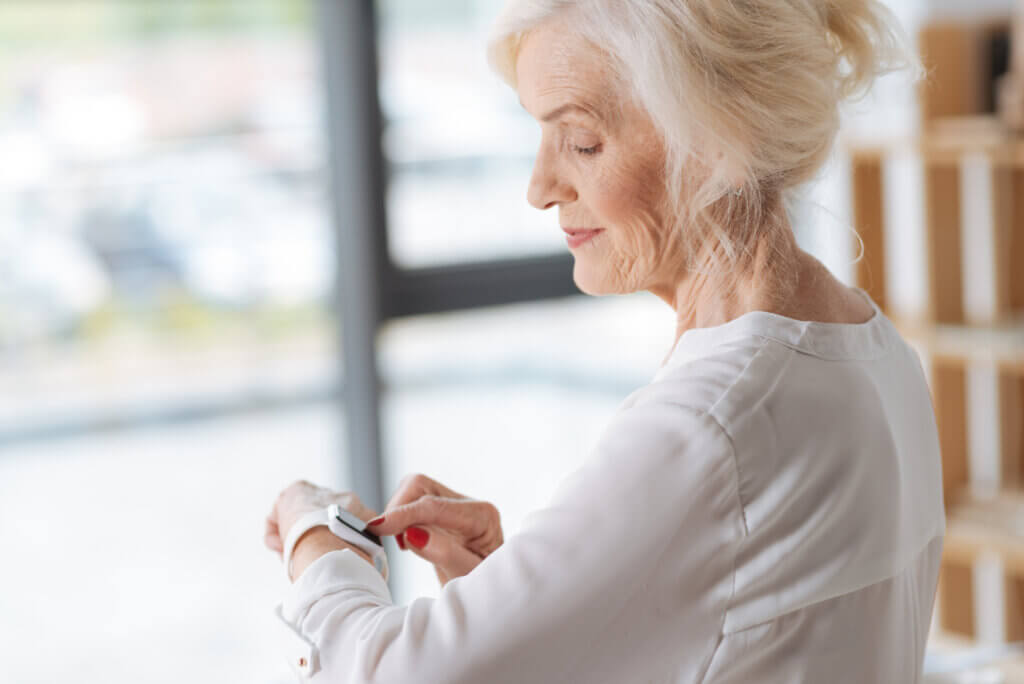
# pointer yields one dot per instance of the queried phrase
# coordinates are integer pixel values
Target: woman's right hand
(461, 531)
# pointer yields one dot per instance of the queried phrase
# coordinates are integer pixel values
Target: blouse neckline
(834, 341)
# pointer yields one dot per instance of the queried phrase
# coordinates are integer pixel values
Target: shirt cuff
(331, 572)
(342, 569)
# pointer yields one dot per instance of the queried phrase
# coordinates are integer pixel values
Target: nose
(548, 187)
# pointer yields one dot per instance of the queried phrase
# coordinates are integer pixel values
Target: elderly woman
(768, 508)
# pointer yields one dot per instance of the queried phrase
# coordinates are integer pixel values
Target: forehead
(555, 66)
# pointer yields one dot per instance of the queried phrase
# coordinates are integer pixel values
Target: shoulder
(663, 422)
(667, 429)
(688, 424)
(715, 383)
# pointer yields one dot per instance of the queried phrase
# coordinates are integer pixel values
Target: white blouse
(767, 509)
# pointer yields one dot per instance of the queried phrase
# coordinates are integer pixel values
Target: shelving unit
(969, 325)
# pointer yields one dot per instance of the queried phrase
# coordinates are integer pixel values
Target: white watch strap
(299, 528)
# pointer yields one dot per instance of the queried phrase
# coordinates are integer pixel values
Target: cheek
(630, 203)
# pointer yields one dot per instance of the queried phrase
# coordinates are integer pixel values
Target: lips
(578, 236)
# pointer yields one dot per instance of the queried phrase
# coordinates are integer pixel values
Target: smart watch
(337, 514)
(342, 524)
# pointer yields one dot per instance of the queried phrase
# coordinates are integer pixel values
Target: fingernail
(376, 521)
(400, 538)
(417, 537)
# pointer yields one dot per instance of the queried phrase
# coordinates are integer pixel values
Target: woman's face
(601, 162)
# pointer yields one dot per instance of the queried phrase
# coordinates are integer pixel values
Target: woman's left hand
(300, 498)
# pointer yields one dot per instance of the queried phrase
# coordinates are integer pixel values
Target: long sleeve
(626, 575)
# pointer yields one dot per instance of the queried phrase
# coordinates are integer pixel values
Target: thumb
(443, 550)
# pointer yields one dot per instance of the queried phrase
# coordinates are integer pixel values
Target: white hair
(749, 88)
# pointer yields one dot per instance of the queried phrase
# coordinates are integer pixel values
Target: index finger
(477, 522)
(416, 486)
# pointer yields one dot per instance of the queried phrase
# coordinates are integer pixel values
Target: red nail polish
(400, 538)
(417, 537)
(376, 521)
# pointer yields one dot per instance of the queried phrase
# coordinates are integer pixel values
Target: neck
(767, 283)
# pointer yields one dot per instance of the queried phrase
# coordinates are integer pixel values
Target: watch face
(355, 523)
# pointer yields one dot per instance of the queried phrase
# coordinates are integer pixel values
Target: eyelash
(585, 151)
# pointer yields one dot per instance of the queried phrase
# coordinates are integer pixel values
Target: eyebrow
(559, 111)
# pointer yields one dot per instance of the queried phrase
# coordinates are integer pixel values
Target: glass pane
(165, 263)
(459, 147)
(163, 232)
(138, 557)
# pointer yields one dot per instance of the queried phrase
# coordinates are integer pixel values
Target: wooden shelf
(1009, 665)
(977, 523)
(1002, 343)
(970, 187)
(961, 177)
(947, 139)
(955, 137)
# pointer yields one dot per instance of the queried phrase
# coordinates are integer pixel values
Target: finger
(272, 524)
(447, 553)
(442, 576)
(412, 487)
(272, 537)
(477, 522)
(432, 486)
(417, 485)
(457, 515)
(273, 542)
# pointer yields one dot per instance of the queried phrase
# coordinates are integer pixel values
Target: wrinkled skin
(601, 163)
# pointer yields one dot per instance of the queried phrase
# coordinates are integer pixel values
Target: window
(165, 265)
(458, 146)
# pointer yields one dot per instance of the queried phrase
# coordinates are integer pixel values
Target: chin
(594, 281)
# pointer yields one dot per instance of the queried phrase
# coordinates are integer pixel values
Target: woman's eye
(586, 151)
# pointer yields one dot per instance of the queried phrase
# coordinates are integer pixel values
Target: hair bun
(869, 42)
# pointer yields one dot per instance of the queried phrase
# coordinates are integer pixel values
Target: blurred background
(223, 267)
